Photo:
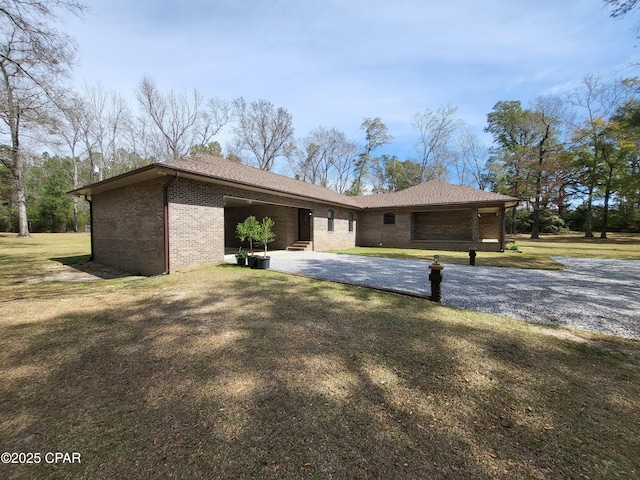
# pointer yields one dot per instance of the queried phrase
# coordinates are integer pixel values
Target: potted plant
(248, 230)
(241, 257)
(265, 236)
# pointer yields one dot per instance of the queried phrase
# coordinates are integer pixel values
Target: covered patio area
(292, 223)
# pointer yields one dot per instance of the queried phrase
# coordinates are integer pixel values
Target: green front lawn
(534, 253)
(226, 372)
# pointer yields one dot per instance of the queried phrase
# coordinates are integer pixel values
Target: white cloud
(332, 63)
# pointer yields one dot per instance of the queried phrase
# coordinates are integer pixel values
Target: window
(330, 220)
(389, 219)
(350, 222)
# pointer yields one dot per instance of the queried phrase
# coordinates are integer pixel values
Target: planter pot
(251, 261)
(262, 262)
(242, 261)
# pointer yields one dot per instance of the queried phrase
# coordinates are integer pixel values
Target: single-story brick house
(182, 213)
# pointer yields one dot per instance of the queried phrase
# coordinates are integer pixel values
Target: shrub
(249, 230)
(265, 233)
(551, 223)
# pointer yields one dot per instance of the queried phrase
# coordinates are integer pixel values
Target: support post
(472, 256)
(435, 277)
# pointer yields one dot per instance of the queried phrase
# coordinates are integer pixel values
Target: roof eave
(252, 187)
(128, 178)
(151, 171)
(508, 203)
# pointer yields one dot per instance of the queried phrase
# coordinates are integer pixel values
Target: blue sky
(332, 63)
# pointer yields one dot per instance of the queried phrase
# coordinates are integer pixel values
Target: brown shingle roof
(221, 169)
(433, 192)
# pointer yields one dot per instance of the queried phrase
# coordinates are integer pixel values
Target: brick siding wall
(340, 237)
(447, 225)
(458, 229)
(196, 224)
(489, 226)
(128, 227)
(373, 232)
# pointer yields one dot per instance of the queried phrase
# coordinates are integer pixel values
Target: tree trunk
(607, 196)
(535, 228)
(21, 196)
(14, 119)
(588, 223)
(75, 197)
(605, 214)
(561, 201)
(75, 213)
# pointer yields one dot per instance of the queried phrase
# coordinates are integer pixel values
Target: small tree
(266, 234)
(249, 230)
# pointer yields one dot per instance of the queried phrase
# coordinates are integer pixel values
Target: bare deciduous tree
(376, 134)
(323, 158)
(69, 128)
(107, 116)
(33, 57)
(473, 156)
(547, 115)
(262, 131)
(180, 120)
(436, 130)
(619, 8)
(596, 100)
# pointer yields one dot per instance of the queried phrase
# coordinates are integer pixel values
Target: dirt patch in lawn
(80, 272)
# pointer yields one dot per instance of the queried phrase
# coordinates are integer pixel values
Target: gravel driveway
(590, 294)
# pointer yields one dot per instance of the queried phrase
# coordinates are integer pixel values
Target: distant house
(181, 213)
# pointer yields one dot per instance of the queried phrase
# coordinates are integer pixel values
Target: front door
(304, 224)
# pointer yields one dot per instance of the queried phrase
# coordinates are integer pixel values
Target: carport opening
(291, 222)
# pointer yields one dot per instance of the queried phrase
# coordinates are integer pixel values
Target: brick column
(503, 227)
(475, 228)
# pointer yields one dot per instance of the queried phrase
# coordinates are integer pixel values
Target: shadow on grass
(612, 239)
(82, 264)
(72, 260)
(250, 374)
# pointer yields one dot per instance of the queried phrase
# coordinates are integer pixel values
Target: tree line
(571, 160)
(574, 152)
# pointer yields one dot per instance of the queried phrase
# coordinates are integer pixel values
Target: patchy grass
(226, 372)
(619, 246)
(534, 254)
(487, 259)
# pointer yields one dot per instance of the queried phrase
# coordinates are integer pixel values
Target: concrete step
(300, 246)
